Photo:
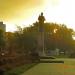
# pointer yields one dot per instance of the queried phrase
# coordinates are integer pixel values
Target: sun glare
(10, 27)
(59, 11)
(53, 2)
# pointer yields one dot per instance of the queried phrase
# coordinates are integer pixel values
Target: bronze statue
(41, 18)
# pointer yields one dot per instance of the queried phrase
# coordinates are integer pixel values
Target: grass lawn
(66, 68)
(19, 70)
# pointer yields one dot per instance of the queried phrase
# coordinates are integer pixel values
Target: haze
(25, 12)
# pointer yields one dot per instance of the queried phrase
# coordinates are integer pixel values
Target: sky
(26, 12)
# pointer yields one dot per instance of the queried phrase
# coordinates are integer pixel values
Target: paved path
(68, 68)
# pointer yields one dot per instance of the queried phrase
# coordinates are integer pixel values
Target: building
(3, 26)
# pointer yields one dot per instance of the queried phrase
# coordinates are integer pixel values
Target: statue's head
(41, 13)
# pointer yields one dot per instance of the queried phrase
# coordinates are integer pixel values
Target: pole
(43, 43)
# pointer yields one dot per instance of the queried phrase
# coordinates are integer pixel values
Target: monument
(41, 48)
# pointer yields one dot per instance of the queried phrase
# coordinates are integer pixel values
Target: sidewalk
(67, 68)
(46, 69)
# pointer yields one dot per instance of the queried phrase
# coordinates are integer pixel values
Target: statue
(41, 18)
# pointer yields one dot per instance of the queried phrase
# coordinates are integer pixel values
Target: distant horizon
(27, 25)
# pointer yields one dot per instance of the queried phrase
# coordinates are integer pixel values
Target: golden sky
(11, 9)
(25, 12)
(19, 11)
